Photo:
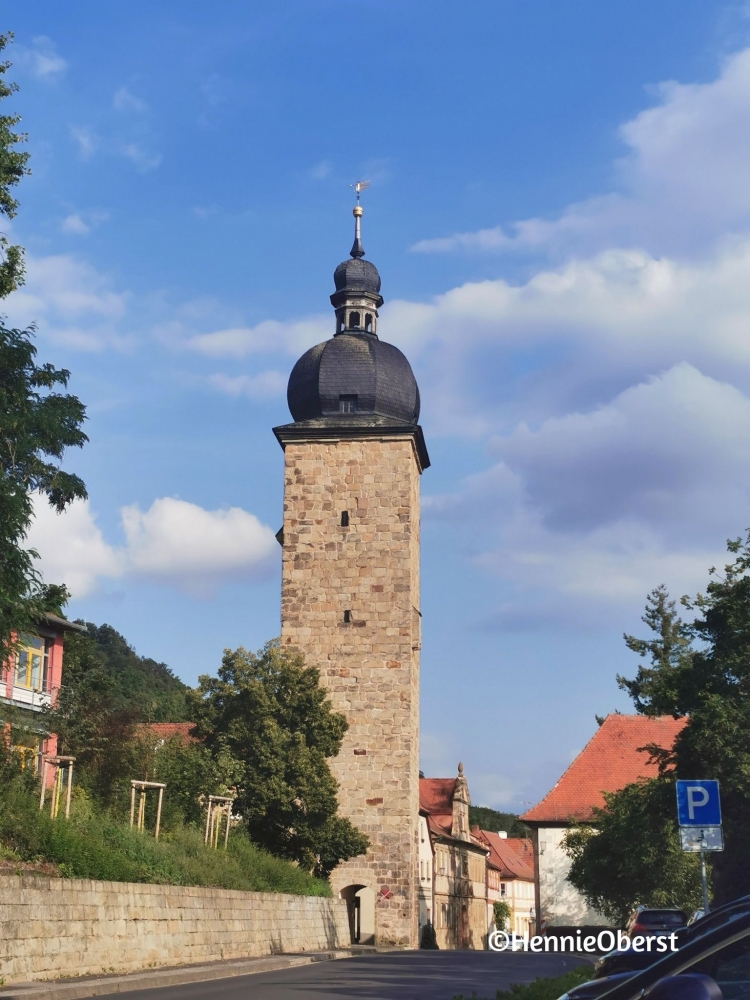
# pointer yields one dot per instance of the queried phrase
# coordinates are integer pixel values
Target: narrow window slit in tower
(344, 518)
(354, 321)
(368, 323)
(347, 617)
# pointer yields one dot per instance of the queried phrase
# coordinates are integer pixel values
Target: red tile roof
(165, 730)
(524, 848)
(436, 794)
(506, 858)
(608, 762)
(436, 799)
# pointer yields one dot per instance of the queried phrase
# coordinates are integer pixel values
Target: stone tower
(350, 584)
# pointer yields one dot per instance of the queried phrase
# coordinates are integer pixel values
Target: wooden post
(141, 808)
(229, 816)
(44, 783)
(55, 807)
(208, 821)
(132, 802)
(158, 814)
(70, 785)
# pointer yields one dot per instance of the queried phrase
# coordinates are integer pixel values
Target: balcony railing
(29, 697)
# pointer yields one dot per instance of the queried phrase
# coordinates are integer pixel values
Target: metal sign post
(699, 816)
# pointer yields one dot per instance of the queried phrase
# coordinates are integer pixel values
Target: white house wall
(425, 876)
(559, 903)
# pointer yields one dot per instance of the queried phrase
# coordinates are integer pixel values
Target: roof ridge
(614, 763)
(570, 765)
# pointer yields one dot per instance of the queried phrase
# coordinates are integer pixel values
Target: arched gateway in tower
(350, 584)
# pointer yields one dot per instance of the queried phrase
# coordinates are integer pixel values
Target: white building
(426, 909)
(510, 878)
(613, 757)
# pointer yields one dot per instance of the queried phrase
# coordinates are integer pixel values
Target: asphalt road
(418, 975)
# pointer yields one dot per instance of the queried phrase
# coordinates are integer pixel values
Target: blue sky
(560, 212)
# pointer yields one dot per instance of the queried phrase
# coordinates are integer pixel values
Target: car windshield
(662, 918)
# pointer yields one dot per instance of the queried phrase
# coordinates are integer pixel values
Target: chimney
(502, 834)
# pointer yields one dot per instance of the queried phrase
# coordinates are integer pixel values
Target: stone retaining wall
(51, 927)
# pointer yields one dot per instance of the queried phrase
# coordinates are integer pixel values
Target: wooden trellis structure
(143, 787)
(60, 764)
(219, 806)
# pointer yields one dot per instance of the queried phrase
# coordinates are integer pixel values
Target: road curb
(75, 989)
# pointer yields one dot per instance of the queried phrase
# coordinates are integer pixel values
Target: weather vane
(360, 186)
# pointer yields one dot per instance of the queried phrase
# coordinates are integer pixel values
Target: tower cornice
(355, 426)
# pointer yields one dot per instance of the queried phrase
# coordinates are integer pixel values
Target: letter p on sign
(698, 803)
(697, 796)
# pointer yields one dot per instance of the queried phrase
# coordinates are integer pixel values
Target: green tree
(148, 688)
(13, 166)
(93, 727)
(663, 687)
(501, 914)
(490, 819)
(631, 853)
(107, 691)
(269, 712)
(37, 421)
(702, 671)
(190, 771)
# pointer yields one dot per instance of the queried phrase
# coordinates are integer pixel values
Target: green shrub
(96, 846)
(542, 988)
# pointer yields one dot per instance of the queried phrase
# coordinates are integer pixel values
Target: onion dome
(353, 373)
(357, 275)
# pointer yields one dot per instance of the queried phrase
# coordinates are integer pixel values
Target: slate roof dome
(353, 374)
(356, 275)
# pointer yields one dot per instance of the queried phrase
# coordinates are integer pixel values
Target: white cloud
(71, 302)
(72, 548)
(134, 142)
(684, 181)
(142, 158)
(264, 385)
(74, 224)
(193, 548)
(87, 140)
(173, 542)
(590, 510)
(81, 223)
(41, 59)
(268, 336)
(618, 316)
(124, 100)
(321, 170)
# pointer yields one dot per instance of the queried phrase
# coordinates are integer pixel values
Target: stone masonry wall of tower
(369, 659)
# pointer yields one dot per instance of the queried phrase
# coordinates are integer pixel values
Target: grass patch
(97, 846)
(543, 988)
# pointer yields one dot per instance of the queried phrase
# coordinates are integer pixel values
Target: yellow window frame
(32, 658)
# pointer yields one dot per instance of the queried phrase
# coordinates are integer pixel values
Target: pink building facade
(29, 683)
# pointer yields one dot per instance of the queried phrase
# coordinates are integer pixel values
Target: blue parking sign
(698, 803)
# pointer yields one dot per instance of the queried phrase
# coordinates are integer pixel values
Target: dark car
(627, 960)
(713, 965)
(646, 921)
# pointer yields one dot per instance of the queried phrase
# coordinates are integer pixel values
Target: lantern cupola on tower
(355, 381)
(357, 297)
